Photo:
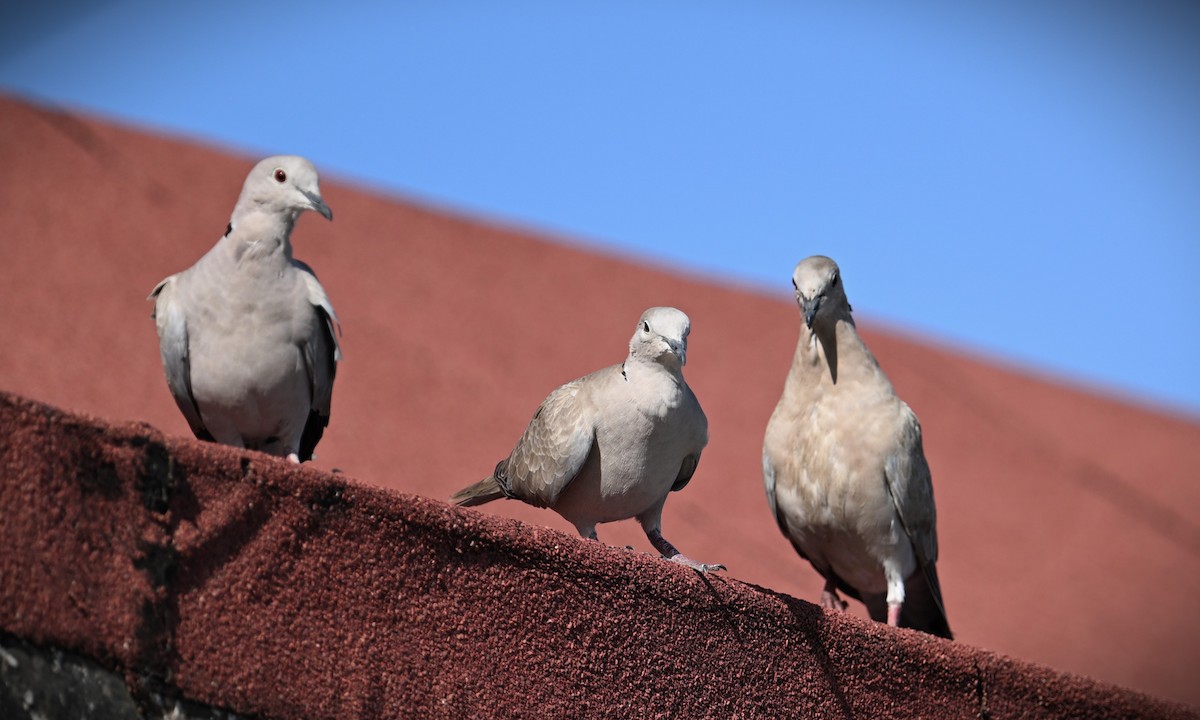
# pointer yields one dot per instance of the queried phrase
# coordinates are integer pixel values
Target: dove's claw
(831, 601)
(699, 566)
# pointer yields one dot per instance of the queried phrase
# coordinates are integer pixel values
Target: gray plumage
(844, 468)
(247, 334)
(613, 444)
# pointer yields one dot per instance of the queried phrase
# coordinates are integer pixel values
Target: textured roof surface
(245, 583)
(1069, 522)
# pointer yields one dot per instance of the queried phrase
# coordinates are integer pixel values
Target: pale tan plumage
(613, 444)
(844, 468)
(247, 333)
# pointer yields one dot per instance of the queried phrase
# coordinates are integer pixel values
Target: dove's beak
(679, 350)
(810, 308)
(318, 204)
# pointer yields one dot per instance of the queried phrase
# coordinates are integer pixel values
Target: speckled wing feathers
(555, 445)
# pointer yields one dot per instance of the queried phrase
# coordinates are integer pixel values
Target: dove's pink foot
(894, 614)
(830, 599)
(670, 553)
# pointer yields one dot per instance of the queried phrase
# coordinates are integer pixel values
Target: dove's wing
(555, 446)
(322, 352)
(171, 322)
(910, 487)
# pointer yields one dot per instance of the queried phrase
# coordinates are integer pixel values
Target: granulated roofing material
(1069, 522)
(289, 592)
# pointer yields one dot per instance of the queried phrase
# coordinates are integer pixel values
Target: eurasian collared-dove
(611, 445)
(844, 469)
(247, 334)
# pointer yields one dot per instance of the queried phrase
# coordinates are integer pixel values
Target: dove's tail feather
(484, 491)
(313, 430)
(929, 612)
(923, 609)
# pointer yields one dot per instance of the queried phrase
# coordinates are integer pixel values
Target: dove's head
(285, 185)
(819, 291)
(661, 336)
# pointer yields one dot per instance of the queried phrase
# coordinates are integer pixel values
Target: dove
(247, 334)
(845, 470)
(613, 444)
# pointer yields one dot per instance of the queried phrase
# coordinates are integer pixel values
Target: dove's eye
(645, 326)
(280, 175)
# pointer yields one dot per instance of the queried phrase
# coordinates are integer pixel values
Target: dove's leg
(285, 444)
(895, 591)
(651, 521)
(279, 447)
(829, 596)
(669, 552)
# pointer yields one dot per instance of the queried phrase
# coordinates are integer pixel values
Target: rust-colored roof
(243, 582)
(1069, 522)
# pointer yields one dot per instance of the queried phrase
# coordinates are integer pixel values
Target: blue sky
(1020, 179)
